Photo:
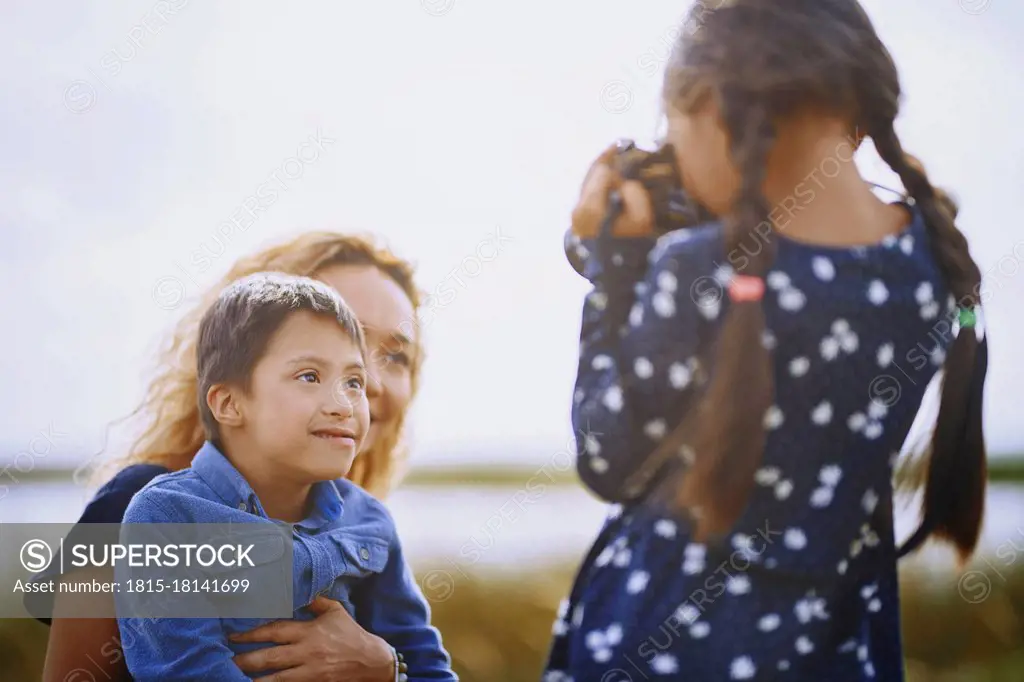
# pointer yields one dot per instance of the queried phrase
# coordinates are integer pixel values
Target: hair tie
(966, 317)
(745, 288)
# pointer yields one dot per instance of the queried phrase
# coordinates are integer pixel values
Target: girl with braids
(744, 385)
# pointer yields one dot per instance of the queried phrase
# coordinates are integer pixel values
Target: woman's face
(389, 323)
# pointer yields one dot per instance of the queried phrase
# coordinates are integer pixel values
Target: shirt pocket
(360, 557)
(258, 573)
(260, 557)
(267, 547)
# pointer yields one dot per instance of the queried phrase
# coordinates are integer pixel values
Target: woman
(380, 289)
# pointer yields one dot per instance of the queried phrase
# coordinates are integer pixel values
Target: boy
(283, 403)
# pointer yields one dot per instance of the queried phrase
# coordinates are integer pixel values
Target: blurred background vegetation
(496, 617)
(498, 629)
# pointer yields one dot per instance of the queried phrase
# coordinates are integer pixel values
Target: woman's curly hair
(173, 431)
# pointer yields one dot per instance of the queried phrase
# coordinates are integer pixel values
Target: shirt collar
(217, 471)
(326, 506)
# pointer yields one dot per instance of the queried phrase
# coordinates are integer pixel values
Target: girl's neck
(816, 194)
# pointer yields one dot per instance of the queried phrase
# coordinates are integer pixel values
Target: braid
(728, 432)
(939, 211)
(955, 489)
(751, 144)
(946, 202)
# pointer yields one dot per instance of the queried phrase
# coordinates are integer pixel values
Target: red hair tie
(744, 288)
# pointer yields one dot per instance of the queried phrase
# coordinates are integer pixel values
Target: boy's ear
(224, 404)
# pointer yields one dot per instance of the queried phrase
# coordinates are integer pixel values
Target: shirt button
(241, 505)
(364, 553)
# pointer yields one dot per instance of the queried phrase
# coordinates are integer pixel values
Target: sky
(133, 131)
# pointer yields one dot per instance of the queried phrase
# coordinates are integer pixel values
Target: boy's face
(306, 411)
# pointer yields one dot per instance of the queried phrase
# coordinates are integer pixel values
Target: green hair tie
(967, 318)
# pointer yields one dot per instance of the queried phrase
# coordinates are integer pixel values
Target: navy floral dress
(805, 586)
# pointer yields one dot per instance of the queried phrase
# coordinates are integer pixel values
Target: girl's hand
(331, 648)
(637, 216)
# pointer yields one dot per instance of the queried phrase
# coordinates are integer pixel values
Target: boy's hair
(763, 60)
(171, 425)
(235, 331)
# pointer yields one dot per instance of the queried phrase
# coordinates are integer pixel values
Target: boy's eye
(355, 383)
(309, 377)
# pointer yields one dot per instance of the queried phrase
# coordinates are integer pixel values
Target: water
(503, 529)
(490, 526)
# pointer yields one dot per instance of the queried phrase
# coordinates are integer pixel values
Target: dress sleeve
(638, 364)
(111, 501)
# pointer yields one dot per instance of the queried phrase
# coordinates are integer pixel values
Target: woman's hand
(331, 648)
(637, 216)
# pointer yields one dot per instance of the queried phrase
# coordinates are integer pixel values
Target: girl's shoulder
(900, 268)
(705, 244)
(111, 500)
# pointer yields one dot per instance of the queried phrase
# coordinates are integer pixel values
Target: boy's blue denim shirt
(347, 550)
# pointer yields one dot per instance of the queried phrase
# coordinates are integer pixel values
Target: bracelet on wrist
(401, 669)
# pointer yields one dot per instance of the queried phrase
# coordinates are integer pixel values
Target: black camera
(659, 173)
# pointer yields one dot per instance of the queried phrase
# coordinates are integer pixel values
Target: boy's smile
(338, 435)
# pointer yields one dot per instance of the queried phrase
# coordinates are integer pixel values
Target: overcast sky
(441, 124)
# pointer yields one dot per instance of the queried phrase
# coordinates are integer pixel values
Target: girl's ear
(225, 405)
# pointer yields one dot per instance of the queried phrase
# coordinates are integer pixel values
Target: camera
(659, 174)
